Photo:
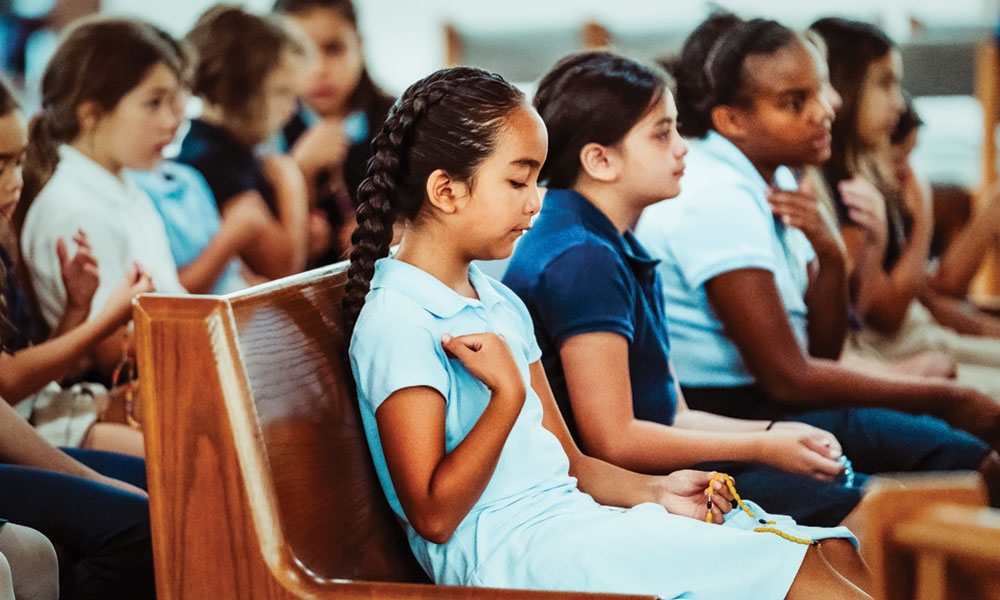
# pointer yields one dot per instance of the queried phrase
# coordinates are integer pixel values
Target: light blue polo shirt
(721, 222)
(190, 216)
(532, 528)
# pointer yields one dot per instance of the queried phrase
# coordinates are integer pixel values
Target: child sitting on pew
(468, 443)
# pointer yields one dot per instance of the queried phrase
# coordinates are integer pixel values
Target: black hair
(851, 47)
(592, 97)
(449, 120)
(725, 80)
(692, 76)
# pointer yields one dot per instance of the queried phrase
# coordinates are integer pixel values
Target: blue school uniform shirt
(190, 216)
(531, 527)
(577, 274)
(721, 222)
(397, 344)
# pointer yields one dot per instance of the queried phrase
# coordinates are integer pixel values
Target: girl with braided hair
(754, 273)
(468, 443)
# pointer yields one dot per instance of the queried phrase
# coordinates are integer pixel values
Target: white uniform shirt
(120, 221)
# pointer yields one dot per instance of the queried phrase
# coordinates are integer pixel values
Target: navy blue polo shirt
(229, 167)
(577, 274)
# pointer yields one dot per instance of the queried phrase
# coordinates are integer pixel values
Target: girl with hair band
(467, 440)
(247, 72)
(754, 273)
(901, 313)
(330, 135)
(597, 303)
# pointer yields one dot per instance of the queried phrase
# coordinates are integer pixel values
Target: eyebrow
(10, 155)
(526, 162)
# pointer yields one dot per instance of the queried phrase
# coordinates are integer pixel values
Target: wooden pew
(260, 481)
(931, 537)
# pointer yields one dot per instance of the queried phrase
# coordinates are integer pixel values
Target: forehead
(159, 77)
(13, 133)
(522, 137)
(890, 64)
(791, 67)
(324, 25)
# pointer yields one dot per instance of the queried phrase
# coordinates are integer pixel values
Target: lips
(822, 141)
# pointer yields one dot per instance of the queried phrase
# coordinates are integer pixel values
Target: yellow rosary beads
(767, 526)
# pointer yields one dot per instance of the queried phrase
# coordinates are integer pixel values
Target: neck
(88, 146)
(443, 261)
(622, 211)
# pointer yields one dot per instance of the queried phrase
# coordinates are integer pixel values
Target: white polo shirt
(721, 222)
(120, 221)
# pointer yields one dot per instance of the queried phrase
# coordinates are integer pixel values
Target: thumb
(62, 252)
(454, 347)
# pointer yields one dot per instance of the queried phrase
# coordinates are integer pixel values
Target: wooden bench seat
(260, 481)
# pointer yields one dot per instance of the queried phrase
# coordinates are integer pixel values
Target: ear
(445, 192)
(599, 162)
(88, 114)
(729, 121)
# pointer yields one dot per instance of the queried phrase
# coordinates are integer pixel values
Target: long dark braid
(448, 120)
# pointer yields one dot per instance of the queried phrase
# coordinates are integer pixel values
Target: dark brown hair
(449, 120)
(237, 50)
(851, 48)
(592, 97)
(366, 96)
(98, 60)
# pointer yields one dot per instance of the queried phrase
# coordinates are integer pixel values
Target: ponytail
(448, 120)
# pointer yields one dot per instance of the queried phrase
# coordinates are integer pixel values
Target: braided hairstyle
(592, 97)
(449, 120)
(725, 80)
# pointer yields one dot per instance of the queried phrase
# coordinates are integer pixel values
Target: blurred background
(945, 46)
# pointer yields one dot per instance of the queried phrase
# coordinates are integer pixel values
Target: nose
(534, 203)
(833, 97)
(12, 181)
(680, 146)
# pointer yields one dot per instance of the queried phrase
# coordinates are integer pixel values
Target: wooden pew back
(261, 484)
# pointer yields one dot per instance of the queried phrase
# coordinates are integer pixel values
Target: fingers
(62, 253)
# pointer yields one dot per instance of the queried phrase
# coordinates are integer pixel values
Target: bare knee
(32, 563)
(818, 579)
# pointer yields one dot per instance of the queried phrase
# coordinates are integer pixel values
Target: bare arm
(681, 492)
(20, 444)
(29, 370)
(245, 223)
(597, 375)
(750, 308)
(826, 297)
(293, 204)
(885, 297)
(273, 253)
(438, 489)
